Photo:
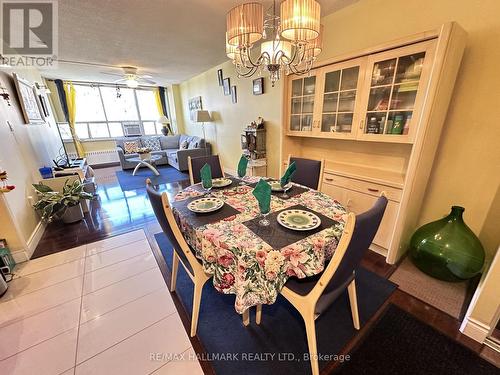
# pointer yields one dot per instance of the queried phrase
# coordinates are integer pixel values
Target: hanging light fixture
(290, 43)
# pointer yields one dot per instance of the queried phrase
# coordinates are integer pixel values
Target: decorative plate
(221, 182)
(204, 205)
(298, 220)
(276, 186)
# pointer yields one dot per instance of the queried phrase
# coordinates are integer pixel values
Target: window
(101, 111)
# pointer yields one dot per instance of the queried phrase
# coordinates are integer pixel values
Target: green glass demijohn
(447, 249)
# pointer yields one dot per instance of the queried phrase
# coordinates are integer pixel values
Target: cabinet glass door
(339, 98)
(394, 84)
(302, 104)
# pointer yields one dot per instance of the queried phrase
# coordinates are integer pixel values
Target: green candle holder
(447, 249)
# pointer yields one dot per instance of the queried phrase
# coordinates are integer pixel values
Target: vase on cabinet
(447, 249)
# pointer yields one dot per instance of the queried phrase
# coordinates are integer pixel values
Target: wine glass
(241, 175)
(207, 186)
(285, 189)
(264, 221)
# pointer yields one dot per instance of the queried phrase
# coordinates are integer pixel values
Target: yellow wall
(230, 119)
(466, 168)
(22, 151)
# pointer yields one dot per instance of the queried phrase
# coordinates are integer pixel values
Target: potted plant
(63, 205)
(144, 153)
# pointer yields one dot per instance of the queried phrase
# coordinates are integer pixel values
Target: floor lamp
(202, 117)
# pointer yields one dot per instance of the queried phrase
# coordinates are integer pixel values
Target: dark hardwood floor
(116, 212)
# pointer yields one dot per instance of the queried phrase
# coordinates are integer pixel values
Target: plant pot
(73, 214)
(145, 156)
(447, 249)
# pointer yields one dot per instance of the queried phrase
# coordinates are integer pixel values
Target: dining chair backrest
(365, 229)
(166, 219)
(308, 172)
(195, 164)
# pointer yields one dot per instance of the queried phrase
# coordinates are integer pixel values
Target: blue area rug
(279, 344)
(167, 174)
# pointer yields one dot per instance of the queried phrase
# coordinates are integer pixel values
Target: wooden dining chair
(195, 164)
(309, 171)
(311, 296)
(181, 250)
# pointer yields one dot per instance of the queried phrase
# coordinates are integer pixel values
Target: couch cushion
(185, 138)
(194, 142)
(160, 152)
(171, 153)
(120, 141)
(152, 143)
(130, 156)
(170, 141)
(130, 147)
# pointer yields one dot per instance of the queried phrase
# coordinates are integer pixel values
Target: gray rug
(445, 296)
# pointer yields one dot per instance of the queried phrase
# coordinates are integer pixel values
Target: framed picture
(194, 105)
(258, 86)
(43, 106)
(219, 77)
(226, 85)
(29, 101)
(234, 98)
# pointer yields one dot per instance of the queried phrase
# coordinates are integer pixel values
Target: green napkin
(206, 176)
(262, 192)
(242, 166)
(287, 177)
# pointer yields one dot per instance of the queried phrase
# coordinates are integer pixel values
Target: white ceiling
(171, 39)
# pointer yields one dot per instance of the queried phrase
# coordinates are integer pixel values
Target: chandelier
(290, 41)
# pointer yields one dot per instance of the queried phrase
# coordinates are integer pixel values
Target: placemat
(295, 190)
(277, 236)
(197, 220)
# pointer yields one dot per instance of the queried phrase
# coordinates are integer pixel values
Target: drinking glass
(285, 189)
(207, 188)
(264, 221)
(241, 183)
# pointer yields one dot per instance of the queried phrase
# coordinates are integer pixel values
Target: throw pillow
(193, 144)
(130, 147)
(152, 142)
(184, 145)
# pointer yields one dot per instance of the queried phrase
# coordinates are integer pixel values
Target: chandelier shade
(300, 20)
(316, 46)
(245, 24)
(273, 47)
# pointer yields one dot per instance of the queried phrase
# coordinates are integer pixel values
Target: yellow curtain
(70, 92)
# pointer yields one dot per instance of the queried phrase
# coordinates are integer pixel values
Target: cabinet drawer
(362, 186)
(358, 203)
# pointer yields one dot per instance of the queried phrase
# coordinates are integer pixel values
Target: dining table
(254, 261)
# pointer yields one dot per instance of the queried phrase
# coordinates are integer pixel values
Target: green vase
(447, 249)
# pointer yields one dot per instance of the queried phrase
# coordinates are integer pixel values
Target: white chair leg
(175, 267)
(246, 317)
(258, 314)
(198, 287)
(311, 342)
(353, 300)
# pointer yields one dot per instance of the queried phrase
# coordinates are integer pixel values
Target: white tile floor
(101, 308)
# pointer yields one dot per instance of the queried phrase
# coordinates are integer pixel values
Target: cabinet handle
(361, 124)
(373, 190)
(348, 203)
(328, 179)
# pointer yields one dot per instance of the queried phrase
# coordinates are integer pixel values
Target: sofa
(174, 151)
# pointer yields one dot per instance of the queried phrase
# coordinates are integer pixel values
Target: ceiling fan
(131, 78)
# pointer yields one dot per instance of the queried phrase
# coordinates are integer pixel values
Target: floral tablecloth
(241, 262)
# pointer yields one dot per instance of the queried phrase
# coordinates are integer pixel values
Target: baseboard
(105, 165)
(475, 329)
(25, 254)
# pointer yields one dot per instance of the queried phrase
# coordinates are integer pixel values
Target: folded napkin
(242, 166)
(206, 176)
(262, 193)
(287, 177)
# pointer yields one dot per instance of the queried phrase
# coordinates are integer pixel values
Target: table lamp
(165, 122)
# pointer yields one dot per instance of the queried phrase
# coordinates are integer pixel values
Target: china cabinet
(376, 116)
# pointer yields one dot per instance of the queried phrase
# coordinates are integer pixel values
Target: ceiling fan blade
(112, 74)
(121, 80)
(147, 80)
(146, 76)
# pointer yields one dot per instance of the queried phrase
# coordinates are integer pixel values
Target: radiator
(99, 156)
